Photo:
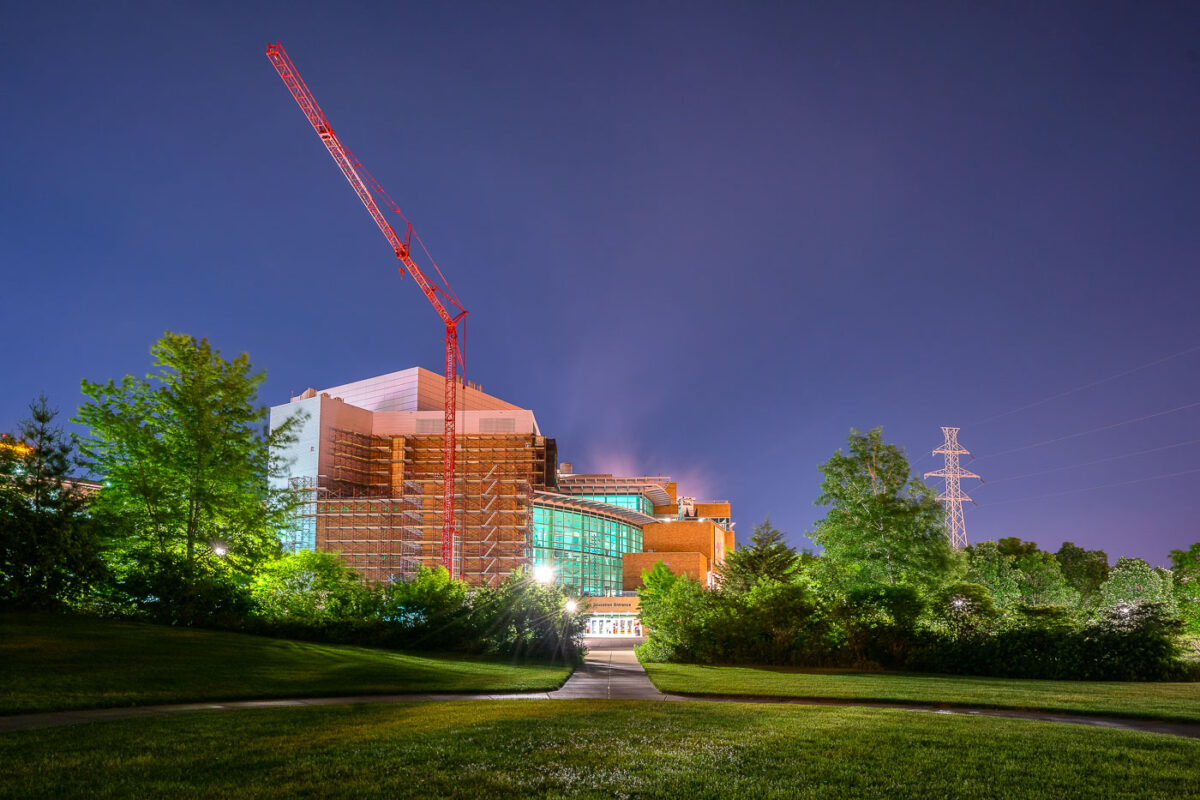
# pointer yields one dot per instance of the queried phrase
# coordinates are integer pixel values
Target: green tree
(766, 557)
(883, 526)
(185, 460)
(1013, 546)
(1012, 564)
(679, 615)
(1041, 581)
(1085, 570)
(49, 547)
(308, 586)
(989, 567)
(1133, 582)
(1186, 566)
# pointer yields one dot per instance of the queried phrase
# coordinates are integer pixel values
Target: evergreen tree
(185, 461)
(883, 526)
(766, 557)
(49, 548)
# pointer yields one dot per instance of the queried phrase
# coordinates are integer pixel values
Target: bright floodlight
(543, 573)
(572, 606)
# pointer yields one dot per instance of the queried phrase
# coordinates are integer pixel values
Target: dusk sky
(699, 240)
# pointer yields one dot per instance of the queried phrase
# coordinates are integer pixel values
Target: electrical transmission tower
(952, 496)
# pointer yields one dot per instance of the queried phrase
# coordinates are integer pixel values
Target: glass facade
(634, 502)
(583, 547)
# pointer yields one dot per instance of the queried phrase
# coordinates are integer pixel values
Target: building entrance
(613, 625)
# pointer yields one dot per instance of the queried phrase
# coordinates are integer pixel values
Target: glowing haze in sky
(703, 240)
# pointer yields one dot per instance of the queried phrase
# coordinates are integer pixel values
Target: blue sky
(703, 240)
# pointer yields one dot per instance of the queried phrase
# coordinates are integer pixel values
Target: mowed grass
(57, 662)
(1169, 701)
(594, 749)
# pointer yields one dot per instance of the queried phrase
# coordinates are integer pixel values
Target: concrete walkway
(611, 671)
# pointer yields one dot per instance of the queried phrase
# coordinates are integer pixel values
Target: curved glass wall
(634, 502)
(583, 547)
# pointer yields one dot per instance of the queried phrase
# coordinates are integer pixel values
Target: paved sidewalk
(611, 671)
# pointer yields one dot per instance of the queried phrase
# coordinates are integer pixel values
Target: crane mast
(439, 296)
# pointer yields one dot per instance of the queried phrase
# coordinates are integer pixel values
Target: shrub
(1134, 643)
(433, 609)
(962, 610)
(524, 618)
(880, 623)
(309, 586)
(164, 588)
(780, 623)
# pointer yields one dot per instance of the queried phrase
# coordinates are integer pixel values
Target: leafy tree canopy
(1133, 582)
(1186, 566)
(883, 525)
(184, 458)
(1085, 570)
(308, 585)
(1019, 574)
(1015, 547)
(990, 567)
(1042, 583)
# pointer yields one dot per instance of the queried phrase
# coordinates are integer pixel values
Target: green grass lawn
(57, 662)
(593, 748)
(1172, 701)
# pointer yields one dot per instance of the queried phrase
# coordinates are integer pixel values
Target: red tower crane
(440, 296)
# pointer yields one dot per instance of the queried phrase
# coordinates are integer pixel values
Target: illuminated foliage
(308, 586)
(1042, 583)
(1133, 582)
(883, 525)
(184, 457)
(997, 571)
(1186, 566)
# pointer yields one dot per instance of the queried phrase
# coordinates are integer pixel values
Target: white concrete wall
(413, 389)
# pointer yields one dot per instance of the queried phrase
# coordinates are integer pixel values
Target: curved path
(611, 671)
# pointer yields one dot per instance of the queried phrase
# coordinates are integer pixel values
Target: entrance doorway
(613, 625)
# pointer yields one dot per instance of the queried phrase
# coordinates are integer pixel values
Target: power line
(1044, 400)
(1089, 463)
(1092, 430)
(1092, 488)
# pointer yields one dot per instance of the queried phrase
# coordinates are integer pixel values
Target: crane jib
(341, 156)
